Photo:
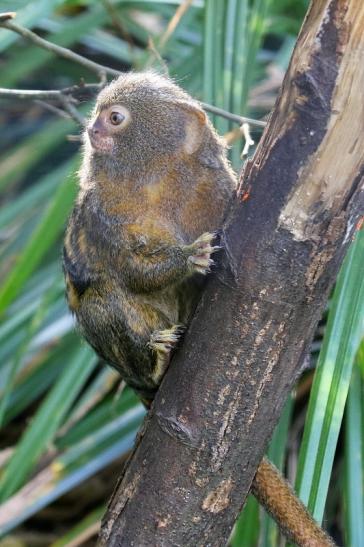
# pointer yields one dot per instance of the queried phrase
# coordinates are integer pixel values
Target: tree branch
(74, 91)
(93, 89)
(67, 97)
(174, 22)
(72, 110)
(101, 70)
(232, 117)
(58, 50)
(298, 203)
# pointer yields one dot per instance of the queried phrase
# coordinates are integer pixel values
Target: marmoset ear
(194, 131)
(194, 127)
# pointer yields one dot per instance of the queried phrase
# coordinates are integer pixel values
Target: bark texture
(299, 201)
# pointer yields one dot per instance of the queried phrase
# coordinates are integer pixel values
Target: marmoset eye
(116, 118)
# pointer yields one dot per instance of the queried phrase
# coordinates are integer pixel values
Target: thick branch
(299, 201)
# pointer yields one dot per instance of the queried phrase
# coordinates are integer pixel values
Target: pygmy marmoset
(155, 184)
(142, 229)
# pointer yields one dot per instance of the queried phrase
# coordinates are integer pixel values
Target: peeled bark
(300, 199)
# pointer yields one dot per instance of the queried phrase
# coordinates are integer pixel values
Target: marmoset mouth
(101, 144)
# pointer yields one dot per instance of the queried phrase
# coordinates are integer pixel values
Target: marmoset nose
(92, 132)
(95, 130)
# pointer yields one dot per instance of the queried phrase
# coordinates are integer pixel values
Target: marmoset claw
(202, 250)
(162, 343)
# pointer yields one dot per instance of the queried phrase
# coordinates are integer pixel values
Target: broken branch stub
(297, 206)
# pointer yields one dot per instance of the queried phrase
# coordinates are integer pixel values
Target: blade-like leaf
(46, 421)
(42, 239)
(354, 460)
(246, 531)
(331, 383)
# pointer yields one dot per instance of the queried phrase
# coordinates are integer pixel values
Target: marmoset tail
(155, 185)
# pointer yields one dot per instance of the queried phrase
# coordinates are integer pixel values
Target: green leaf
(42, 239)
(69, 30)
(88, 525)
(46, 421)
(354, 460)
(27, 17)
(331, 383)
(246, 531)
(209, 49)
(25, 155)
(22, 348)
(33, 383)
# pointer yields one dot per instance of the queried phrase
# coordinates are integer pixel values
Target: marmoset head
(143, 118)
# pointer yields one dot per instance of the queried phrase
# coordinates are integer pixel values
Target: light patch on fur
(194, 131)
(162, 342)
(102, 144)
(72, 295)
(82, 243)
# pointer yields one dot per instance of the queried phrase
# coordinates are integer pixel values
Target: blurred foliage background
(66, 420)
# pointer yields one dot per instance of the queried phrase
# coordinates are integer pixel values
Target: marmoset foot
(162, 342)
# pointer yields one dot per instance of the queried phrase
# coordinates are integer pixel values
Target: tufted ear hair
(195, 125)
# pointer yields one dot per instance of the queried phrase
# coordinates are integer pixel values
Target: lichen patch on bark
(217, 500)
(162, 522)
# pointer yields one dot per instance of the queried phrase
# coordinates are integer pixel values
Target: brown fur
(131, 240)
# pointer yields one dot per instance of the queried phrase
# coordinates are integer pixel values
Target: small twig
(74, 138)
(40, 94)
(152, 48)
(117, 23)
(29, 94)
(52, 94)
(58, 50)
(171, 27)
(6, 16)
(232, 117)
(53, 109)
(74, 91)
(72, 110)
(66, 96)
(173, 23)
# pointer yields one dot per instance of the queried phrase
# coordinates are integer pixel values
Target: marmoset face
(106, 125)
(140, 122)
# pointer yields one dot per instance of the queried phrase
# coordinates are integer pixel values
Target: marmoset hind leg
(134, 336)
